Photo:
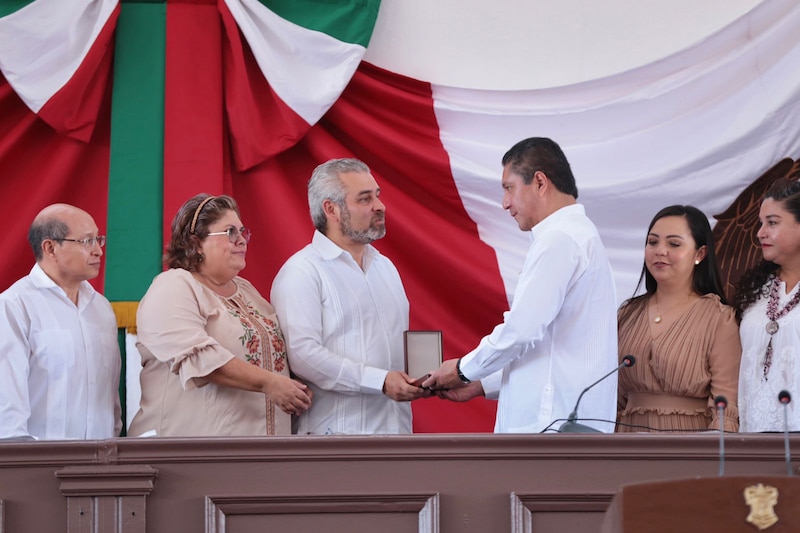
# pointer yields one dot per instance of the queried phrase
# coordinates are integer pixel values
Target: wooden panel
(710, 505)
(107, 498)
(562, 483)
(550, 512)
(339, 513)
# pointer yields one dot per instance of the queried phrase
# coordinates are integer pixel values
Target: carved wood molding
(107, 498)
(574, 447)
(101, 480)
(344, 448)
(524, 506)
(57, 453)
(425, 505)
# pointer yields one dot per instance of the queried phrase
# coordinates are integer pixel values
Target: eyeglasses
(233, 234)
(88, 242)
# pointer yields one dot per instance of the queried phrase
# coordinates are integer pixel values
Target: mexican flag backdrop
(128, 109)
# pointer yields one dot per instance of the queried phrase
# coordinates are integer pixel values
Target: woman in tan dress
(681, 331)
(213, 356)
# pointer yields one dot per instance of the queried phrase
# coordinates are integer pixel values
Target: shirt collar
(557, 218)
(329, 250)
(42, 281)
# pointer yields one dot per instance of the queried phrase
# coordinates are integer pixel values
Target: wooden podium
(728, 504)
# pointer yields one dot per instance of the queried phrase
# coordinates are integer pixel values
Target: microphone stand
(785, 398)
(721, 402)
(571, 426)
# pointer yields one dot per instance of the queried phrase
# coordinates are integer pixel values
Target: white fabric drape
(694, 128)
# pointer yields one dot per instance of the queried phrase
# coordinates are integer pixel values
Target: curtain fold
(38, 167)
(697, 127)
(450, 275)
(57, 55)
(286, 62)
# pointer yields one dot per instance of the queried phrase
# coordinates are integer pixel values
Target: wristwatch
(461, 376)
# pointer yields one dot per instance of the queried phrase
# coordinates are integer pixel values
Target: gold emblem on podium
(762, 501)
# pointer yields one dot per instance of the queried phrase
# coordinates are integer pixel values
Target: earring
(201, 258)
(696, 261)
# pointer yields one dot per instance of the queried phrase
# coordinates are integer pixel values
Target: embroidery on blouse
(263, 341)
(773, 315)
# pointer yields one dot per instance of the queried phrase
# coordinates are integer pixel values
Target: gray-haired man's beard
(373, 233)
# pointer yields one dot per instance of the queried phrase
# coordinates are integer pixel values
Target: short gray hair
(326, 185)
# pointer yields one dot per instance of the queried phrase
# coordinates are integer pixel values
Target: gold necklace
(658, 318)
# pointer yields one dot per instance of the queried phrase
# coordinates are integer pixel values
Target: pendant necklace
(773, 314)
(658, 318)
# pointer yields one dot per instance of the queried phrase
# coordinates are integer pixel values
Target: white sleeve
(15, 356)
(553, 263)
(297, 295)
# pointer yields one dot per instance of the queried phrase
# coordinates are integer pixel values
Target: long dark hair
(752, 285)
(706, 278)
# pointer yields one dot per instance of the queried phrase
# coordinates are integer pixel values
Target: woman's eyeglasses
(233, 234)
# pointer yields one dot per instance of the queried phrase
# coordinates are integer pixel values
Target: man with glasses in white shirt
(59, 357)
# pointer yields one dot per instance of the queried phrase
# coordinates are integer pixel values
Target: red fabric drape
(451, 276)
(193, 129)
(264, 124)
(38, 167)
(383, 119)
(74, 109)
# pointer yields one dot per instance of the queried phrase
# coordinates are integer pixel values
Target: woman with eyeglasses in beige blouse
(213, 356)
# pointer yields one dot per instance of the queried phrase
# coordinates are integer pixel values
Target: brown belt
(649, 400)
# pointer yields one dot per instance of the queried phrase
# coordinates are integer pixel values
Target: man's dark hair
(541, 154)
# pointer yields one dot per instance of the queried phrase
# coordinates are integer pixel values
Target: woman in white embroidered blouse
(213, 356)
(765, 301)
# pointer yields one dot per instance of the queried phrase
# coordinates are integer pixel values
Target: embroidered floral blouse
(759, 407)
(185, 332)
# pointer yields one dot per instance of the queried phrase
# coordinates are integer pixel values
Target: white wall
(531, 44)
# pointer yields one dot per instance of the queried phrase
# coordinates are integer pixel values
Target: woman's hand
(289, 395)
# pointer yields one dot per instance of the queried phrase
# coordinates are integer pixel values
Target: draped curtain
(227, 115)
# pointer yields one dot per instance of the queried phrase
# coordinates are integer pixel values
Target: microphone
(721, 402)
(571, 426)
(785, 398)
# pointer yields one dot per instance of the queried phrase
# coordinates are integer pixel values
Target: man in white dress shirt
(59, 357)
(343, 310)
(560, 334)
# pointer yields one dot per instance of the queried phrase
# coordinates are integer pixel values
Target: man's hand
(462, 394)
(444, 377)
(398, 386)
